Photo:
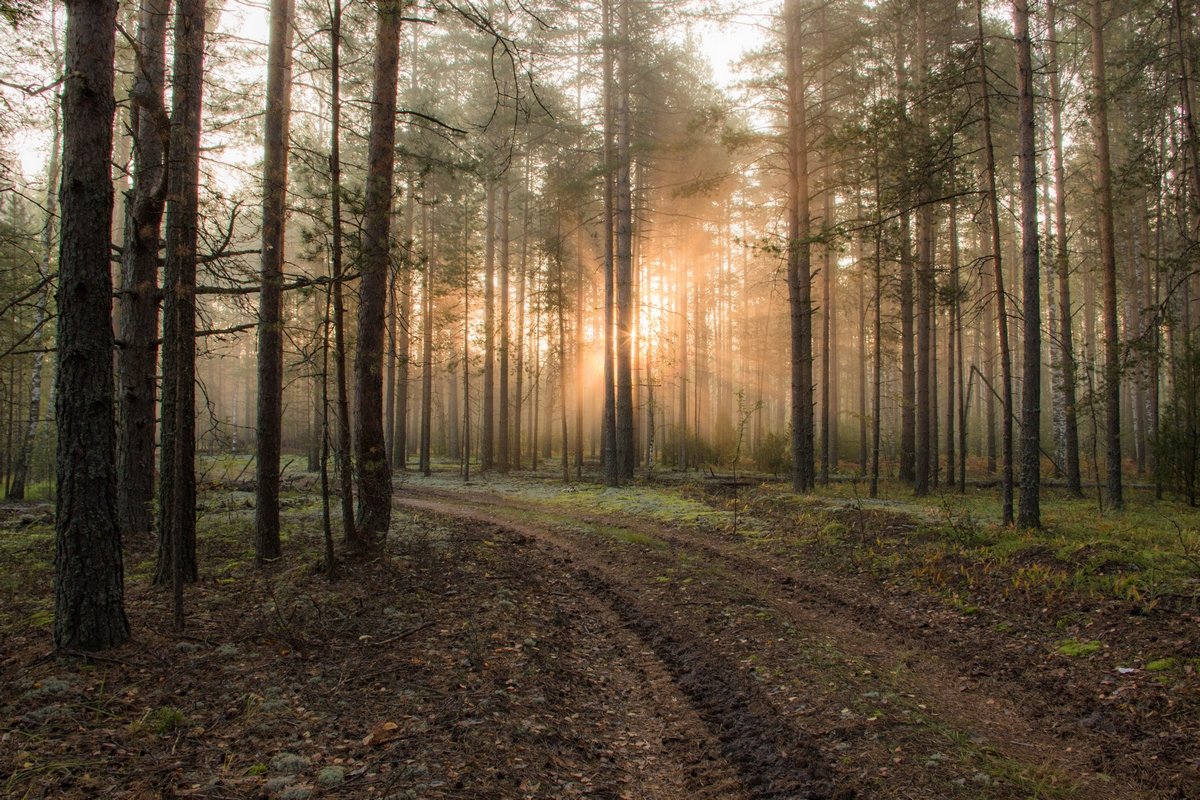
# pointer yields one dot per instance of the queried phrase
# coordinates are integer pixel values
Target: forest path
(799, 672)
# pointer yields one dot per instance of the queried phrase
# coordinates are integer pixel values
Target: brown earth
(506, 649)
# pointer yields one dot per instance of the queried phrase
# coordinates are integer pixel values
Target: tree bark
(1108, 261)
(177, 492)
(1029, 513)
(487, 430)
(269, 427)
(1062, 265)
(137, 319)
(1006, 482)
(89, 593)
(626, 450)
(799, 264)
(344, 467)
(610, 454)
(373, 470)
(503, 419)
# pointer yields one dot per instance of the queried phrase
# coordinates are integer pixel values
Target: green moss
(256, 769)
(1075, 648)
(1162, 664)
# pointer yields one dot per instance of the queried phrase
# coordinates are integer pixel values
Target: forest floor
(679, 639)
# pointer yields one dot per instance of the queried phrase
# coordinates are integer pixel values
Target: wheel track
(773, 757)
(818, 607)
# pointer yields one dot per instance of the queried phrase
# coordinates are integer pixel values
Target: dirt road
(813, 685)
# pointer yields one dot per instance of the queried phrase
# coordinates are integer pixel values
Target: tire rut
(821, 608)
(774, 759)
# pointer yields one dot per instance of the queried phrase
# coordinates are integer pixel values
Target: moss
(1075, 648)
(1162, 664)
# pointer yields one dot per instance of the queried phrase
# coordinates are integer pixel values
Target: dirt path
(793, 669)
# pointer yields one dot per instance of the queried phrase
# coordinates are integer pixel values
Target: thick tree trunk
(374, 471)
(1029, 515)
(89, 591)
(270, 300)
(137, 319)
(1108, 261)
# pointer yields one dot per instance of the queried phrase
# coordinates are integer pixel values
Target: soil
(504, 648)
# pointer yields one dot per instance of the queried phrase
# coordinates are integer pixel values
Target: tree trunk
(270, 304)
(89, 592)
(1108, 261)
(1029, 515)
(1006, 482)
(609, 454)
(374, 471)
(503, 419)
(487, 433)
(626, 451)
(337, 273)
(177, 493)
(20, 471)
(424, 463)
(137, 319)
(1062, 266)
(799, 269)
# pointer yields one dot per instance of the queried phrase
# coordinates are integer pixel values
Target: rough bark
(1066, 341)
(137, 318)
(1108, 261)
(799, 266)
(344, 467)
(177, 487)
(1006, 481)
(89, 593)
(373, 470)
(1029, 512)
(269, 427)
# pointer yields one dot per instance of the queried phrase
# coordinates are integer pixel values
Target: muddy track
(995, 709)
(774, 758)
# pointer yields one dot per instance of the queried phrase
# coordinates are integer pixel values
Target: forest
(608, 398)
